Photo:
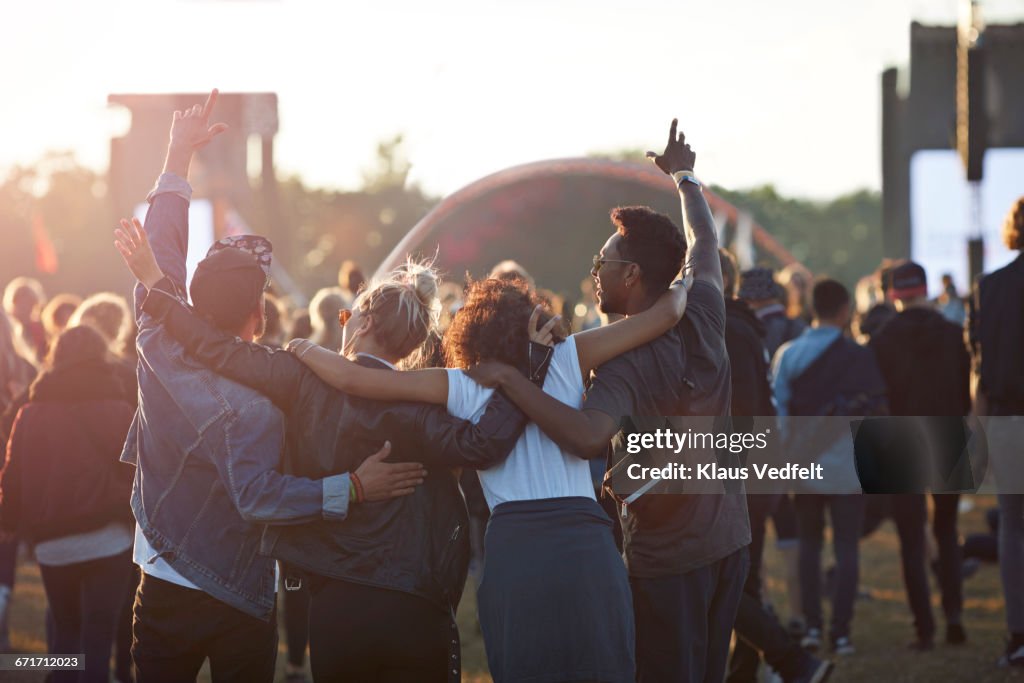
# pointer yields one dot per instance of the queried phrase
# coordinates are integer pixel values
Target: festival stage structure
(551, 215)
(962, 96)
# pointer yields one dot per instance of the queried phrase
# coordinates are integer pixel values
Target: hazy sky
(783, 92)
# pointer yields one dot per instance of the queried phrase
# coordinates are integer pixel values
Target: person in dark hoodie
(65, 490)
(927, 370)
(758, 630)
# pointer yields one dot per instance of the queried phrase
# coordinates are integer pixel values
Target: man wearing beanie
(927, 371)
(206, 452)
(759, 289)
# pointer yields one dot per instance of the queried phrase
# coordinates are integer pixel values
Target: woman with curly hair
(554, 602)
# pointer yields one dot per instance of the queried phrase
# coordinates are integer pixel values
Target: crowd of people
(180, 470)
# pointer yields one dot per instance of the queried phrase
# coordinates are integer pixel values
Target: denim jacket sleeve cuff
(163, 295)
(336, 496)
(172, 184)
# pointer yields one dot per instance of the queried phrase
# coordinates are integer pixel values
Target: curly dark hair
(492, 323)
(1013, 228)
(652, 241)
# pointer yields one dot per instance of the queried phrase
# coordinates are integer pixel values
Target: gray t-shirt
(683, 372)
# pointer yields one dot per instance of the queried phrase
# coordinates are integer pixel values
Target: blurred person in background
(23, 301)
(108, 314)
(65, 490)
(796, 283)
(758, 289)
(323, 317)
(995, 335)
(758, 629)
(823, 373)
(16, 373)
(450, 295)
(351, 280)
(873, 307)
(302, 325)
(511, 268)
(950, 303)
(57, 312)
(585, 315)
(275, 330)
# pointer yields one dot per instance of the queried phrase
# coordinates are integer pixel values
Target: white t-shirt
(159, 568)
(537, 468)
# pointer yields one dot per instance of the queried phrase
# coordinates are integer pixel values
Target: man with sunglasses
(207, 450)
(686, 553)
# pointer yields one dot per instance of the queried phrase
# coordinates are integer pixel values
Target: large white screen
(940, 205)
(200, 231)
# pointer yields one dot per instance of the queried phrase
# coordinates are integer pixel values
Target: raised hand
(191, 129)
(542, 335)
(677, 155)
(381, 480)
(133, 243)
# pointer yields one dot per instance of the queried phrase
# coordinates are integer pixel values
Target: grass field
(881, 629)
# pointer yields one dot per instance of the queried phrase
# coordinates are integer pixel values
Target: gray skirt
(554, 602)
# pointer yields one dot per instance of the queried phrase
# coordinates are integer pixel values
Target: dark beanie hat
(757, 284)
(227, 287)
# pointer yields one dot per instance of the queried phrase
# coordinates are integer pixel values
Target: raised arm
(167, 217)
(426, 386)
(698, 224)
(599, 345)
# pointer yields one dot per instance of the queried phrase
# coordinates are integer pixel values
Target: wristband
(357, 487)
(678, 175)
(687, 179)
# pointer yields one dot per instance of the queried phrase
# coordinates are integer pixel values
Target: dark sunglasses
(598, 262)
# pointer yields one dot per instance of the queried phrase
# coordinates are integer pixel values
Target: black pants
(745, 659)
(123, 638)
(176, 629)
(85, 599)
(295, 615)
(683, 622)
(947, 538)
(910, 513)
(846, 512)
(365, 634)
(760, 631)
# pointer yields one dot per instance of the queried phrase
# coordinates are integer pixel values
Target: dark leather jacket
(995, 335)
(418, 543)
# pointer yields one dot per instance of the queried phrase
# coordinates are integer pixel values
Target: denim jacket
(207, 450)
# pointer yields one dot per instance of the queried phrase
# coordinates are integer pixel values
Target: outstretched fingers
(211, 100)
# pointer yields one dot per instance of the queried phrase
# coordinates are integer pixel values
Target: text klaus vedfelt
(666, 439)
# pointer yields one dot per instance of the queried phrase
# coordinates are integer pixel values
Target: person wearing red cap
(927, 371)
